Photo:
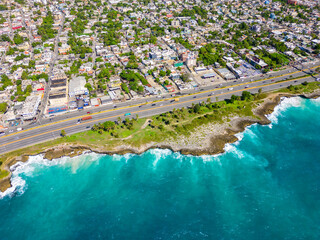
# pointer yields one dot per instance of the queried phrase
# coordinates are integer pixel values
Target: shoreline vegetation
(202, 129)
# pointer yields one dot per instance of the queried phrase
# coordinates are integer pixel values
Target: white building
(77, 86)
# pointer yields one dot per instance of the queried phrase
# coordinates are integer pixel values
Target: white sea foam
(210, 158)
(285, 104)
(232, 148)
(159, 154)
(37, 163)
(119, 157)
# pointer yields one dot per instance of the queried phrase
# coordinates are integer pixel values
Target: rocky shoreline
(207, 140)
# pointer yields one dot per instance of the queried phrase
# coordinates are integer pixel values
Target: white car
(19, 129)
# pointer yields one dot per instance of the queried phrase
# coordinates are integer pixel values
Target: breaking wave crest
(285, 104)
(38, 163)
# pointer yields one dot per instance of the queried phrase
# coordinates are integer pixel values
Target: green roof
(178, 64)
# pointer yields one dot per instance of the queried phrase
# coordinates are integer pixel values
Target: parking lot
(202, 81)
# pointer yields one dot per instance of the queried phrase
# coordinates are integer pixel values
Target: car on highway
(2, 133)
(88, 112)
(230, 89)
(153, 104)
(10, 131)
(194, 96)
(272, 80)
(127, 114)
(79, 121)
(246, 86)
(115, 106)
(87, 126)
(19, 129)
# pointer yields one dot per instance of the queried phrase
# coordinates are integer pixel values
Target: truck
(86, 118)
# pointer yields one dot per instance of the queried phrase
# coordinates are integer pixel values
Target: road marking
(160, 100)
(173, 104)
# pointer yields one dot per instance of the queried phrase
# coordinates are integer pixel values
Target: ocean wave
(37, 163)
(119, 157)
(159, 154)
(285, 104)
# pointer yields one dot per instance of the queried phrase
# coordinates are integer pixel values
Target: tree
(234, 98)
(185, 77)
(24, 75)
(246, 95)
(3, 107)
(63, 133)
(196, 108)
(89, 87)
(108, 125)
(162, 73)
(140, 89)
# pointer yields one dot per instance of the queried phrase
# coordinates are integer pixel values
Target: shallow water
(266, 186)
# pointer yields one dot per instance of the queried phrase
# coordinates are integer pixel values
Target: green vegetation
(78, 25)
(3, 107)
(212, 53)
(5, 38)
(133, 78)
(303, 88)
(3, 7)
(77, 46)
(17, 39)
(136, 132)
(45, 29)
(63, 133)
(5, 81)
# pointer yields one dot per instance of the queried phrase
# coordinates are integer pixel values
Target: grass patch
(173, 124)
(301, 88)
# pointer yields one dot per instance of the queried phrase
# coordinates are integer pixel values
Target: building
(77, 86)
(175, 23)
(30, 107)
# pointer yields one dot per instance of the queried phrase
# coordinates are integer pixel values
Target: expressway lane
(51, 131)
(97, 110)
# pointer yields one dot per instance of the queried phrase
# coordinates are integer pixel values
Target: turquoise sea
(265, 186)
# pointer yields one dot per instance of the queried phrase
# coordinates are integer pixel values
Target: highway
(50, 129)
